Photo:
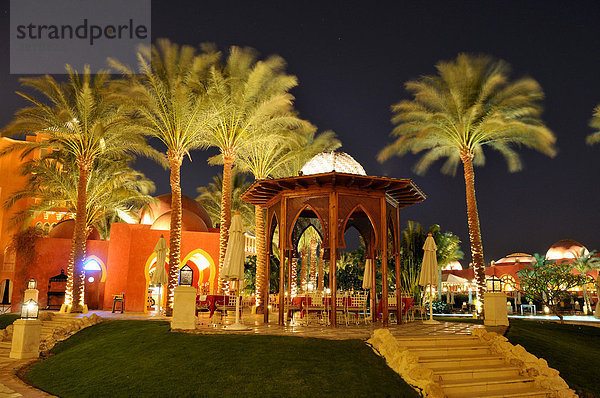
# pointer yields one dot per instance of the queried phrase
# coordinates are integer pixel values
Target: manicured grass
(7, 319)
(573, 350)
(143, 358)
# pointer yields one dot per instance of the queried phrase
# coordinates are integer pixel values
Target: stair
(465, 368)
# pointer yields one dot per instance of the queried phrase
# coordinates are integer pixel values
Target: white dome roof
(326, 162)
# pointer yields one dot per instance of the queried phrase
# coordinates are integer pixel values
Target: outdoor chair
(314, 308)
(392, 308)
(341, 310)
(359, 307)
(119, 298)
(229, 304)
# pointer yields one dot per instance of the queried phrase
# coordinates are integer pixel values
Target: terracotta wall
(131, 245)
(51, 256)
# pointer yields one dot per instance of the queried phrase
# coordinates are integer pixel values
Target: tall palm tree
(210, 197)
(166, 98)
(595, 124)
(249, 99)
(585, 262)
(468, 105)
(78, 118)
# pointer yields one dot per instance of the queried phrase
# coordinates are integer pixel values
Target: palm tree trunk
(261, 255)
(303, 270)
(225, 216)
(474, 229)
(74, 295)
(321, 280)
(175, 229)
(294, 281)
(313, 260)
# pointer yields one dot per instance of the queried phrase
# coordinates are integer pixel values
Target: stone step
(437, 341)
(465, 361)
(487, 384)
(459, 351)
(516, 393)
(475, 372)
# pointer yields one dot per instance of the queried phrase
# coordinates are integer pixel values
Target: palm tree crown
(468, 105)
(595, 124)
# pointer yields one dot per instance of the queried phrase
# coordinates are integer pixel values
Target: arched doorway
(6, 287)
(204, 279)
(95, 276)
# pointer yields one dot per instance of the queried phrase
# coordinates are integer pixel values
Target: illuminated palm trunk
(294, 284)
(225, 217)
(321, 285)
(474, 229)
(175, 161)
(74, 294)
(303, 269)
(313, 261)
(261, 254)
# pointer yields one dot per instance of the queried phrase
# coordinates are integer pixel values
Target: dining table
(210, 302)
(406, 301)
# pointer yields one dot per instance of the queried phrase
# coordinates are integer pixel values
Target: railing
(249, 244)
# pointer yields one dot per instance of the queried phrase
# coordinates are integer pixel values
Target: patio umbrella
(233, 265)
(159, 277)
(452, 298)
(368, 279)
(518, 299)
(470, 297)
(429, 272)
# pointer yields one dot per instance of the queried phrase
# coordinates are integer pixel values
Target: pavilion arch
(370, 238)
(301, 224)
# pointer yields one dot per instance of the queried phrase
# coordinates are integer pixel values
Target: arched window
(508, 283)
(9, 259)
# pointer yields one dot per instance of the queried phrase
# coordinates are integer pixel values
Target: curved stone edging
(405, 364)
(528, 364)
(66, 331)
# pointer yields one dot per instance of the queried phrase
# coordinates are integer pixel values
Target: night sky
(352, 60)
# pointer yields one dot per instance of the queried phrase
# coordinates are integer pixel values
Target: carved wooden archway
(334, 198)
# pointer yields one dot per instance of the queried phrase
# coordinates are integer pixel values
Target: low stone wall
(528, 364)
(405, 364)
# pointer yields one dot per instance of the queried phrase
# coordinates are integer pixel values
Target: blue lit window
(92, 265)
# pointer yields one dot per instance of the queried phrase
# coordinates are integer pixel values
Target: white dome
(326, 162)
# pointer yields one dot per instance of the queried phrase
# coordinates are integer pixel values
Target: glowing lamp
(186, 276)
(32, 284)
(493, 284)
(30, 309)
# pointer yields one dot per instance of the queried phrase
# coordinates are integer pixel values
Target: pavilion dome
(565, 248)
(65, 228)
(153, 211)
(189, 222)
(327, 162)
(514, 258)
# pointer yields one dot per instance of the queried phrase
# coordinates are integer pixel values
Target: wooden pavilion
(332, 202)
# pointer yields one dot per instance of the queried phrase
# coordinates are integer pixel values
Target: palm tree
(468, 105)
(249, 99)
(167, 101)
(78, 118)
(115, 192)
(585, 262)
(210, 198)
(595, 124)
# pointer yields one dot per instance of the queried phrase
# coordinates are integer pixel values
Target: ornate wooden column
(283, 228)
(267, 279)
(384, 287)
(398, 267)
(333, 239)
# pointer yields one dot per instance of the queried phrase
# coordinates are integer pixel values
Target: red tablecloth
(211, 301)
(302, 301)
(407, 301)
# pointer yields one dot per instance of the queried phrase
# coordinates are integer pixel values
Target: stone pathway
(12, 386)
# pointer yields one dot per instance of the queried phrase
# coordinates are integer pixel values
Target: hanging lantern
(32, 284)
(30, 309)
(186, 276)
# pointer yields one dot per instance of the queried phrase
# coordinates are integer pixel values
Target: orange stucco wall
(131, 245)
(51, 256)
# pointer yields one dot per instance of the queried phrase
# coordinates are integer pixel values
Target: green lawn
(7, 319)
(142, 358)
(571, 349)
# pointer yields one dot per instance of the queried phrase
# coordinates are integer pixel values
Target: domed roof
(189, 222)
(151, 212)
(64, 230)
(326, 162)
(516, 258)
(565, 248)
